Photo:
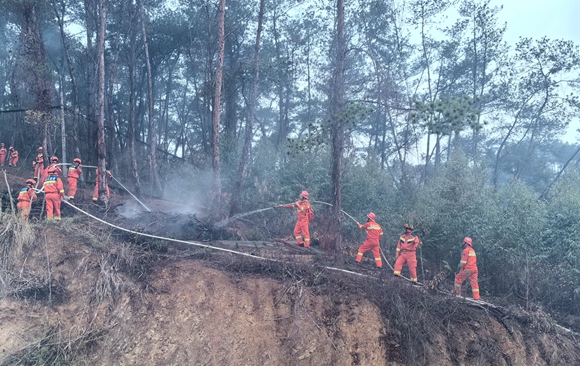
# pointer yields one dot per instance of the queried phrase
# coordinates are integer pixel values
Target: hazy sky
(537, 18)
(556, 19)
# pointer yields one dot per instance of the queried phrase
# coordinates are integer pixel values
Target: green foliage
(318, 135)
(562, 233)
(457, 203)
(447, 115)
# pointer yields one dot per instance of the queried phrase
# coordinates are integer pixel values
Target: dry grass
(56, 346)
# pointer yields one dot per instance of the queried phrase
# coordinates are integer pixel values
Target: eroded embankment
(83, 296)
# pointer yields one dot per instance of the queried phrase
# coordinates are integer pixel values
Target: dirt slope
(114, 304)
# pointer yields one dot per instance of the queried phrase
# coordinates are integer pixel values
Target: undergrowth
(56, 346)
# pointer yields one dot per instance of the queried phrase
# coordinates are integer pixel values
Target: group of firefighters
(52, 185)
(407, 246)
(10, 153)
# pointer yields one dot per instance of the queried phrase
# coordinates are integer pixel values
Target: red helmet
(467, 240)
(410, 227)
(52, 171)
(40, 148)
(77, 160)
(11, 148)
(304, 194)
(54, 158)
(372, 216)
(30, 181)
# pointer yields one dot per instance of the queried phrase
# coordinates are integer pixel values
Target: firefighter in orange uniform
(53, 164)
(3, 153)
(97, 181)
(374, 235)
(74, 173)
(305, 214)
(13, 157)
(406, 252)
(53, 194)
(467, 269)
(25, 197)
(38, 163)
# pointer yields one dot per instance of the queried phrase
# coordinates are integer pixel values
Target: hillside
(81, 292)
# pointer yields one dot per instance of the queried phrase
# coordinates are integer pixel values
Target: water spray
(240, 215)
(137, 199)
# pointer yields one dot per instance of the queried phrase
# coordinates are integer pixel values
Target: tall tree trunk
(152, 137)
(91, 15)
(75, 124)
(216, 189)
(336, 107)
(35, 74)
(101, 147)
(62, 119)
(242, 167)
(133, 99)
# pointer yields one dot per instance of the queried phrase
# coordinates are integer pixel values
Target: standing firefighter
(13, 157)
(3, 153)
(406, 252)
(25, 197)
(305, 214)
(467, 269)
(374, 235)
(38, 163)
(53, 194)
(74, 173)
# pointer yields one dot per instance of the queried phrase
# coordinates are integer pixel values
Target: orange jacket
(374, 231)
(52, 185)
(468, 259)
(14, 154)
(3, 151)
(26, 194)
(74, 171)
(303, 209)
(407, 243)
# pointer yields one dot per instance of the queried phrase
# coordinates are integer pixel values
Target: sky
(537, 18)
(555, 19)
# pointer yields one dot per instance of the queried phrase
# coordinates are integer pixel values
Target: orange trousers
(96, 192)
(470, 274)
(24, 209)
(2, 159)
(13, 161)
(38, 169)
(302, 233)
(410, 258)
(52, 205)
(374, 247)
(72, 186)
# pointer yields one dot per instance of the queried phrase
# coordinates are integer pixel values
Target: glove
(359, 225)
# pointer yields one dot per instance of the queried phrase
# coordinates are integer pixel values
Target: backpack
(310, 214)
